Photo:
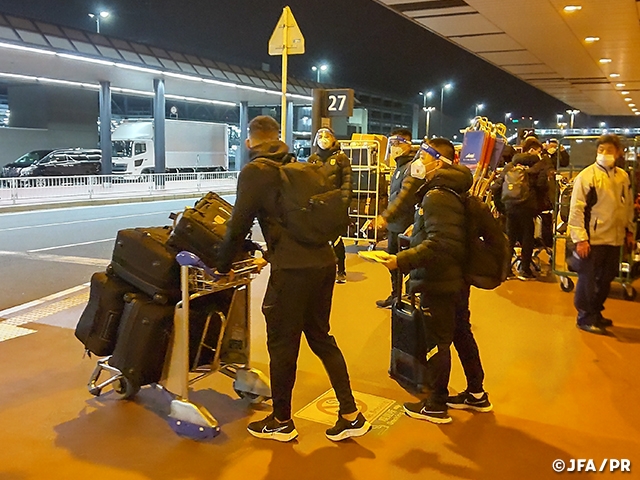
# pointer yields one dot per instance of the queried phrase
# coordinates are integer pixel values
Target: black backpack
(312, 210)
(516, 189)
(488, 258)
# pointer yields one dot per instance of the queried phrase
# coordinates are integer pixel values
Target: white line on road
(95, 262)
(40, 301)
(72, 222)
(70, 245)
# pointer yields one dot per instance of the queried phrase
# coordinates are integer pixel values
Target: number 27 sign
(339, 102)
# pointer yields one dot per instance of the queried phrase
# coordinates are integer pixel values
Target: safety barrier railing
(34, 190)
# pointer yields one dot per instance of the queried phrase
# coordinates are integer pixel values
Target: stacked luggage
(129, 316)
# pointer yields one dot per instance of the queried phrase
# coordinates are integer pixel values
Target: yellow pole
(285, 41)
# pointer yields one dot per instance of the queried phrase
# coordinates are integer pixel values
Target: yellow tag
(332, 161)
(420, 211)
(219, 220)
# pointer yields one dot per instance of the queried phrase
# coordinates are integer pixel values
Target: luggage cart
(370, 190)
(583, 147)
(229, 355)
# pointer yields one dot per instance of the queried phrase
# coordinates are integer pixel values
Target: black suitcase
(142, 257)
(408, 347)
(97, 328)
(143, 339)
(201, 229)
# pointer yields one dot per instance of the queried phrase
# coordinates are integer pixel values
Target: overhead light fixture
(591, 39)
(614, 75)
(637, 113)
(625, 92)
(605, 60)
(632, 104)
(572, 8)
(620, 84)
(627, 99)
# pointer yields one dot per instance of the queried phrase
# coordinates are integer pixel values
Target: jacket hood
(276, 150)
(455, 177)
(526, 159)
(404, 159)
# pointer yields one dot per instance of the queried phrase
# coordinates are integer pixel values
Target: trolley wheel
(566, 284)
(125, 389)
(251, 397)
(628, 292)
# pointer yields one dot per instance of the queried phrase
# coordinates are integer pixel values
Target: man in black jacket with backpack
(436, 262)
(519, 192)
(299, 293)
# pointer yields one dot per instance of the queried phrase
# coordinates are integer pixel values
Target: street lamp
(425, 95)
(479, 108)
(321, 68)
(97, 17)
(573, 113)
(428, 111)
(446, 86)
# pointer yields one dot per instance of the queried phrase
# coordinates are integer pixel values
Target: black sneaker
(386, 303)
(598, 330)
(603, 322)
(341, 278)
(466, 401)
(271, 429)
(427, 411)
(344, 428)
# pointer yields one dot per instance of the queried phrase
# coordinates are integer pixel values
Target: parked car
(12, 169)
(64, 162)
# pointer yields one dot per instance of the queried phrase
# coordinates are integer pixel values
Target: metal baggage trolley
(229, 355)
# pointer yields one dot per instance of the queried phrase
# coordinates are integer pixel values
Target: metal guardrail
(34, 190)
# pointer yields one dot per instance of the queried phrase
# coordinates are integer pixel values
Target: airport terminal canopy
(583, 53)
(37, 52)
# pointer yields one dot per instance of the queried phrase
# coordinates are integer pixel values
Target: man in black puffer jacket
(337, 167)
(436, 265)
(400, 214)
(299, 293)
(522, 211)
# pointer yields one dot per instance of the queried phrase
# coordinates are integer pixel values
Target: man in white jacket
(600, 221)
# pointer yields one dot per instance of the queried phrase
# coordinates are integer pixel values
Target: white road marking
(40, 301)
(70, 245)
(96, 262)
(73, 222)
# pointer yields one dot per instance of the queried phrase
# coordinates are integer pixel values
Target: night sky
(366, 46)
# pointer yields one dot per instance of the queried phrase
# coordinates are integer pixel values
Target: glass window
(140, 148)
(121, 148)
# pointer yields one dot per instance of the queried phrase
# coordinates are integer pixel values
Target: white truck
(189, 147)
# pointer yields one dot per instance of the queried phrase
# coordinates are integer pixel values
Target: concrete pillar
(105, 126)
(242, 155)
(159, 106)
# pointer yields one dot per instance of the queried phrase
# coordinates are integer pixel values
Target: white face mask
(396, 152)
(324, 143)
(606, 161)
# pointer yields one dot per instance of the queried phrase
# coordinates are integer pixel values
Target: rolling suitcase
(408, 344)
(201, 229)
(142, 257)
(143, 339)
(97, 328)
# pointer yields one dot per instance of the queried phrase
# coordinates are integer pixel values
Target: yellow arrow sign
(287, 35)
